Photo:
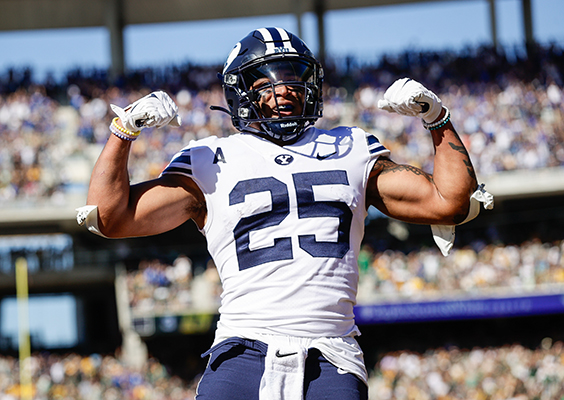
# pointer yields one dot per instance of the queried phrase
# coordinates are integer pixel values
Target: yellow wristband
(123, 130)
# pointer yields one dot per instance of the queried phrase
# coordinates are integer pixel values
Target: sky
(365, 34)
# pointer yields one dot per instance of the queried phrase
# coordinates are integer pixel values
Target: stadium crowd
(91, 377)
(157, 287)
(508, 372)
(491, 373)
(509, 109)
(479, 268)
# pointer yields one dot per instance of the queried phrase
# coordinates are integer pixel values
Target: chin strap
(218, 108)
(444, 234)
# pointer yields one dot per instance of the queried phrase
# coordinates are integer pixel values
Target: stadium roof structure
(116, 14)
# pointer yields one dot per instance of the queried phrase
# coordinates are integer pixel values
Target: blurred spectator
(93, 377)
(159, 288)
(508, 372)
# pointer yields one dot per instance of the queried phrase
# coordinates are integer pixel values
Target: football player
(282, 206)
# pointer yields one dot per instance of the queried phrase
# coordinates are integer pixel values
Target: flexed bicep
(163, 204)
(407, 193)
(153, 207)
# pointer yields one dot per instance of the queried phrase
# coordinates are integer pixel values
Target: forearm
(109, 186)
(453, 172)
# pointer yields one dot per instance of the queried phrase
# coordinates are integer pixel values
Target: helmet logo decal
(276, 40)
(283, 159)
(234, 53)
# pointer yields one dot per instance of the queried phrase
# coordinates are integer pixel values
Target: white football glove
(152, 111)
(408, 97)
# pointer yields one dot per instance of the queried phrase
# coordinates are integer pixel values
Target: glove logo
(404, 83)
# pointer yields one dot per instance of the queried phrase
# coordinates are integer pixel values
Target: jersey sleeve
(375, 148)
(198, 161)
(181, 163)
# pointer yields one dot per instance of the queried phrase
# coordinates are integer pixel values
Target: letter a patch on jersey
(219, 157)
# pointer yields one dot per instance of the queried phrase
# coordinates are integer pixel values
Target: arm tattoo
(470, 169)
(462, 150)
(388, 166)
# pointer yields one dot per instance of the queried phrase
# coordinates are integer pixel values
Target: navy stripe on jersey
(184, 171)
(182, 164)
(184, 159)
(374, 145)
(371, 139)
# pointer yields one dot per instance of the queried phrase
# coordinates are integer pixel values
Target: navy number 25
(307, 208)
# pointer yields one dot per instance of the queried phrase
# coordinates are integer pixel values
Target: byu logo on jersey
(284, 159)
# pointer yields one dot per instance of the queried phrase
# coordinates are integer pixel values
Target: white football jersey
(284, 226)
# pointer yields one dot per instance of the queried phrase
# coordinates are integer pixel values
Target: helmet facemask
(263, 110)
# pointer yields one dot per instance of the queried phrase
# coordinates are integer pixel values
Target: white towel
(284, 370)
